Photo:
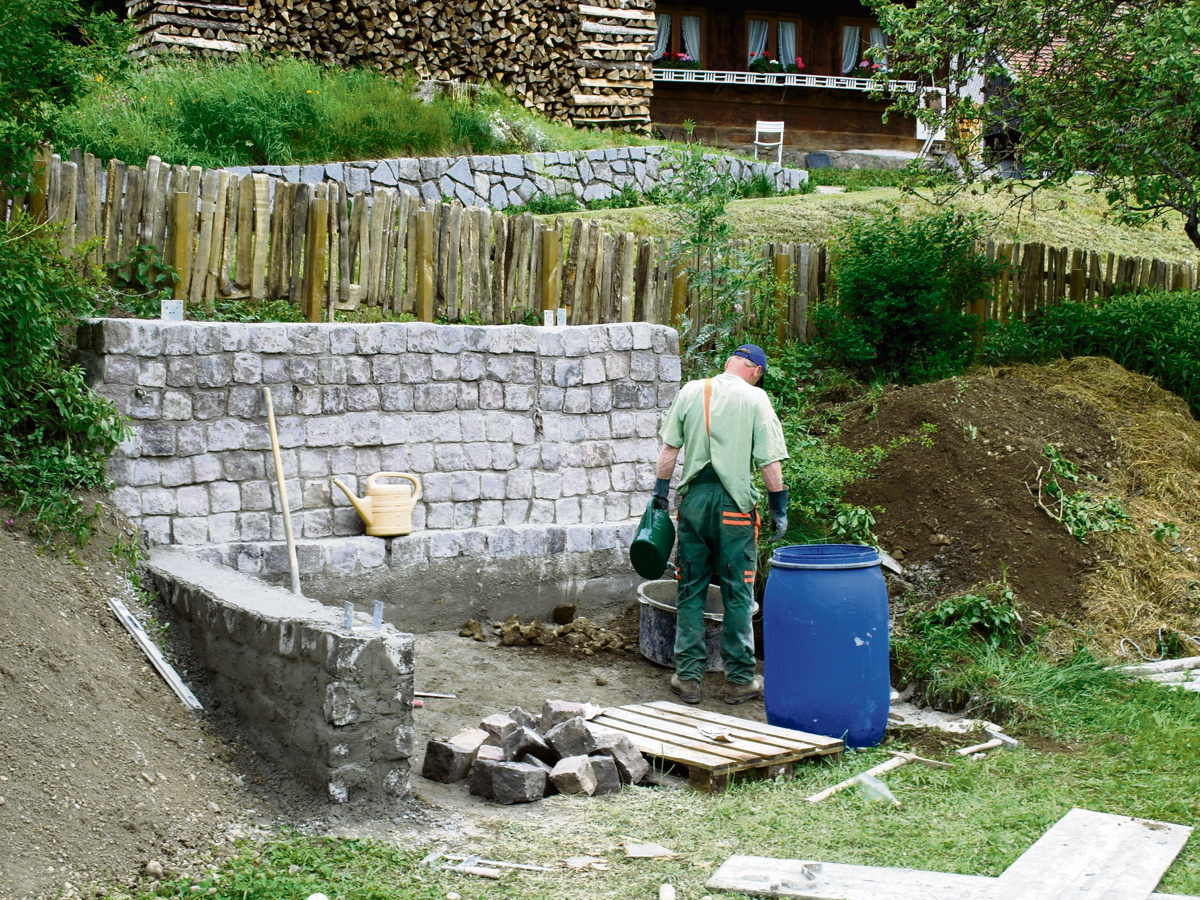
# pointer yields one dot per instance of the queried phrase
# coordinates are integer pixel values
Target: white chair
(763, 134)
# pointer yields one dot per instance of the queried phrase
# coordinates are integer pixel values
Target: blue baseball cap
(755, 354)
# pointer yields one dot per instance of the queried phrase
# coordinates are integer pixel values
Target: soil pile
(958, 502)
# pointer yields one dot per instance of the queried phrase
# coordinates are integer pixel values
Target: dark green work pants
(719, 544)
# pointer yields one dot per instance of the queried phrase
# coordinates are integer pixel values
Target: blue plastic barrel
(825, 642)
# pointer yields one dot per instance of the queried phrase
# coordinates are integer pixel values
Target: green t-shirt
(746, 434)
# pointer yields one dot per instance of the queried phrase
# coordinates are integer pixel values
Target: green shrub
(284, 111)
(55, 434)
(903, 288)
(1155, 334)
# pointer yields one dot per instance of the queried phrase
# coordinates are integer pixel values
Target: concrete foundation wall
(333, 706)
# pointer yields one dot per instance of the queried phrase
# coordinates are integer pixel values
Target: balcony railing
(836, 82)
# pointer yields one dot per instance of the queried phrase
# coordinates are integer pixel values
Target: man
(727, 428)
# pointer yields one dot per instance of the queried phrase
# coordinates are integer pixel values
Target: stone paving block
(571, 738)
(608, 781)
(631, 765)
(517, 782)
(446, 762)
(574, 775)
(498, 727)
(555, 712)
(524, 741)
(480, 780)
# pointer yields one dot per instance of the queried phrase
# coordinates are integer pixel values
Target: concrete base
(433, 581)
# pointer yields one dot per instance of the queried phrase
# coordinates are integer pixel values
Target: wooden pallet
(675, 734)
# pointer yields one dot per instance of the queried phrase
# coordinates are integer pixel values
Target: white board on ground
(1098, 856)
(761, 876)
(765, 877)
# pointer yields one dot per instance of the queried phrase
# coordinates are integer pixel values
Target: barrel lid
(825, 556)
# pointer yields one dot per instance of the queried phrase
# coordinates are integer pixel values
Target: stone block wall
(513, 180)
(333, 706)
(535, 448)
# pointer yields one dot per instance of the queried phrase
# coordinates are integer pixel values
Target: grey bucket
(656, 623)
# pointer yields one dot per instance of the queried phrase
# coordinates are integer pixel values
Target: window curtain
(663, 39)
(851, 39)
(689, 29)
(787, 43)
(758, 39)
(879, 46)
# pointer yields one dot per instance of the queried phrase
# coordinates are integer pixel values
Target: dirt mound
(957, 500)
(102, 768)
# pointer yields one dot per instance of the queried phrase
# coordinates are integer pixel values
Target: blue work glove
(778, 503)
(662, 487)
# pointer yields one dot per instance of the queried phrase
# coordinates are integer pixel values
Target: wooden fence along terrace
(257, 236)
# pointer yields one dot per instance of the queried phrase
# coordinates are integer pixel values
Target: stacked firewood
(588, 64)
(616, 38)
(194, 26)
(527, 45)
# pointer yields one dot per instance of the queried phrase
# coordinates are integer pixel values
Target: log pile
(527, 45)
(193, 26)
(613, 64)
(583, 63)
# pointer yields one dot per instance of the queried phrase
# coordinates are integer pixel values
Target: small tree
(1103, 86)
(51, 49)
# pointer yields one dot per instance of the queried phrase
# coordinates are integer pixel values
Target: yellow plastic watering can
(387, 508)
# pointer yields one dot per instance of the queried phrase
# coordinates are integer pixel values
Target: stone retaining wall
(535, 448)
(333, 706)
(512, 180)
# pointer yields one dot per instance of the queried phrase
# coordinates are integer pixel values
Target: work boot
(740, 693)
(688, 689)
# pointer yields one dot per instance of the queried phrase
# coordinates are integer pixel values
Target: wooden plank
(551, 267)
(67, 204)
(654, 743)
(424, 274)
(257, 265)
(207, 210)
(316, 255)
(606, 12)
(299, 222)
(821, 741)
(765, 877)
(344, 262)
(499, 266)
(110, 214)
(179, 236)
(130, 213)
(216, 252)
(1094, 855)
(454, 240)
(229, 245)
(398, 252)
(739, 751)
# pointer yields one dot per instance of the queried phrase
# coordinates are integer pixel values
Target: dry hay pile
(1143, 590)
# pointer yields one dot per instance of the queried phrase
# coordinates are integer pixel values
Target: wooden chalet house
(726, 65)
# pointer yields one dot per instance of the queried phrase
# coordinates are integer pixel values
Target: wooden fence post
(551, 269)
(783, 265)
(425, 265)
(180, 238)
(316, 253)
(679, 292)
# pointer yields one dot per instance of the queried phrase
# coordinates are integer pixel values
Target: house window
(863, 42)
(679, 36)
(772, 44)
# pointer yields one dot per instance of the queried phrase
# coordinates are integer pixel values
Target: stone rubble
(508, 761)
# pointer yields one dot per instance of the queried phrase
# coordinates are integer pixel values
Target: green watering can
(652, 543)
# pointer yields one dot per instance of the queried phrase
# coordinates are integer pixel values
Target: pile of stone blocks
(520, 758)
